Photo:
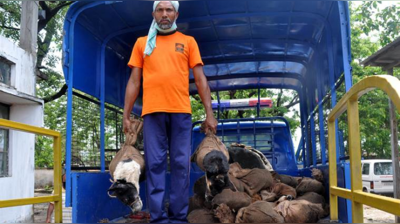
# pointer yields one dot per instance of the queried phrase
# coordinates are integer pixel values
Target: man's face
(165, 15)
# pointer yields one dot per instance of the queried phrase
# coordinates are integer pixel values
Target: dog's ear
(119, 187)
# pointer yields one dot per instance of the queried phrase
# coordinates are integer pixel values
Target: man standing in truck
(163, 59)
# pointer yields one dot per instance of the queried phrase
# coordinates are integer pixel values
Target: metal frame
(68, 201)
(57, 196)
(345, 34)
(390, 85)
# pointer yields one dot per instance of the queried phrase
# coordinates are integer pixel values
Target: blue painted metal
(321, 123)
(332, 81)
(258, 104)
(313, 142)
(347, 182)
(303, 121)
(121, 36)
(299, 151)
(102, 112)
(340, 147)
(91, 202)
(345, 36)
(218, 106)
(68, 66)
(69, 127)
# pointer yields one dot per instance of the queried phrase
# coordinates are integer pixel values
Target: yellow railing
(56, 197)
(391, 86)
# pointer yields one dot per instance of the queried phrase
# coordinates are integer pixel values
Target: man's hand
(211, 124)
(126, 125)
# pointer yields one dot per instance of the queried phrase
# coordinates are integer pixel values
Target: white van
(377, 176)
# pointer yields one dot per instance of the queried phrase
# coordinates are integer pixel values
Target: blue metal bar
(292, 75)
(306, 135)
(313, 143)
(102, 110)
(68, 197)
(250, 119)
(303, 119)
(69, 140)
(299, 150)
(258, 103)
(219, 106)
(321, 121)
(344, 21)
(238, 131)
(222, 124)
(254, 134)
(272, 143)
(331, 66)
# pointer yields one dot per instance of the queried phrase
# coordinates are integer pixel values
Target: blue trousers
(172, 132)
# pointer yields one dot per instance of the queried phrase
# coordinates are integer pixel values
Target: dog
(127, 169)
(216, 167)
(248, 158)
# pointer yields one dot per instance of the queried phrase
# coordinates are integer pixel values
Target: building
(17, 149)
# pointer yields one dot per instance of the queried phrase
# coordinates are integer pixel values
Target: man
(163, 59)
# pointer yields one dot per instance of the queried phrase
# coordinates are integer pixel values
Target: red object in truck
(140, 215)
(264, 102)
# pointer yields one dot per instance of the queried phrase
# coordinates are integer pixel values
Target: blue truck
(296, 45)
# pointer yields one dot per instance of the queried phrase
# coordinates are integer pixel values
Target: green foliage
(368, 19)
(10, 14)
(43, 152)
(49, 44)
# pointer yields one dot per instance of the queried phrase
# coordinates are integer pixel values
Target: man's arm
(205, 95)
(131, 94)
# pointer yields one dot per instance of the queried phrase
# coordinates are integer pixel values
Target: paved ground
(372, 215)
(40, 210)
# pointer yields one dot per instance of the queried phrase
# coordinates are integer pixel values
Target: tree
(368, 19)
(50, 82)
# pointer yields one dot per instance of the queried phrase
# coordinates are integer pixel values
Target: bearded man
(163, 59)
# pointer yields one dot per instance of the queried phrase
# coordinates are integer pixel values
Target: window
(365, 169)
(5, 71)
(383, 168)
(4, 169)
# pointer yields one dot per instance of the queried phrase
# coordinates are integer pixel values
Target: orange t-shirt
(166, 72)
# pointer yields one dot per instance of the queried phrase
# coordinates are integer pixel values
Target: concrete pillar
(29, 26)
(395, 149)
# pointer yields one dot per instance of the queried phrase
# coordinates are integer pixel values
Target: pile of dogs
(242, 192)
(239, 185)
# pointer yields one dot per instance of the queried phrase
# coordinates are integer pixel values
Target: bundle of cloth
(127, 170)
(260, 195)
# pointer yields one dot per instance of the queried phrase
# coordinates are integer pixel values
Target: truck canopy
(299, 45)
(244, 44)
